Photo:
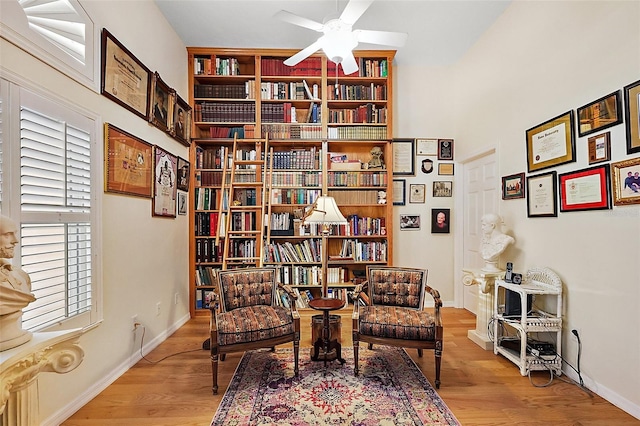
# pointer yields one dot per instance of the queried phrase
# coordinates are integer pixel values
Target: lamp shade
(325, 211)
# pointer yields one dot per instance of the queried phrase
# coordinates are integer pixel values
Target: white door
(481, 195)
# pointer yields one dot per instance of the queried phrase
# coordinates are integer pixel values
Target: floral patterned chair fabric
(246, 315)
(389, 310)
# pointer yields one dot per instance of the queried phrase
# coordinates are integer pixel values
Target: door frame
(458, 242)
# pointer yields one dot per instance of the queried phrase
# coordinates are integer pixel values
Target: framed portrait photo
(161, 104)
(409, 222)
(632, 116)
(445, 149)
(403, 157)
(442, 188)
(181, 121)
(164, 183)
(124, 79)
(542, 195)
(600, 114)
(417, 193)
(599, 148)
(551, 143)
(626, 182)
(586, 189)
(182, 203)
(399, 191)
(184, 173)
(440, 219)
(513, 186)
(128, 163)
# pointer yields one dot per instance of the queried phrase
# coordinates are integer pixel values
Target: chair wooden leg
(296, 351)
(355, 356)
(438, 361)
(370, 346)
(214, 369)
(419, 353)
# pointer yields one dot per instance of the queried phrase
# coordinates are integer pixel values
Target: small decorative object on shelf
(376, 161)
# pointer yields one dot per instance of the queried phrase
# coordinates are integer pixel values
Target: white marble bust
(494, 242)
(15, 290)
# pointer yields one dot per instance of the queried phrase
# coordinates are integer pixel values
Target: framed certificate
(586, 189)
(551, 143)
(417, 192)
(128, 163)
(399, 190)
(542, 199)
(403, 153)
(426, 146)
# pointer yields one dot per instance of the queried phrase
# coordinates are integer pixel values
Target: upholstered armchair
(389, 310)
(246, 315)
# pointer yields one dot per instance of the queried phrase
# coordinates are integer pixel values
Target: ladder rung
(245, 232)
(241, 208)
(248, 162)
(243, 258)
(249, 184)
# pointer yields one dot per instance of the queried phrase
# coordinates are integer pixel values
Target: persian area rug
(390, 390)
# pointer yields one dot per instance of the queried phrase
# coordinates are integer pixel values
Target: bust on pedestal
(494, 242)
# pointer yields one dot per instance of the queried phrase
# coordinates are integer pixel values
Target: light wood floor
(479, 387)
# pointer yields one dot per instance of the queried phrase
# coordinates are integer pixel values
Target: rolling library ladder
(245, 201)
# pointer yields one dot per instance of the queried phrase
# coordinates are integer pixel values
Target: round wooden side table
(326, 305)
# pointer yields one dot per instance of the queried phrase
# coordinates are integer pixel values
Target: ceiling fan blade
(354, 10)
(299, 20)
(349, 64)
(304, 53)
(387, 38)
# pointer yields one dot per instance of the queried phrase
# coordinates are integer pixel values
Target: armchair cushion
(397, 323)
(397, 287)
(253, 323)
(250, 288)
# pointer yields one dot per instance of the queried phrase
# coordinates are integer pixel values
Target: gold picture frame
(632, 116)
(161, 104)
(128, 163)
(600, 114)
(551, 143)
(623, 189)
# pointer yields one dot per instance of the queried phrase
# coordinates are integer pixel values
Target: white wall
(539, 60)
(145, 259)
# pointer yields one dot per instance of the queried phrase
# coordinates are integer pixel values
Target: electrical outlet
(175, 299)
(158, 309)
(134, 322)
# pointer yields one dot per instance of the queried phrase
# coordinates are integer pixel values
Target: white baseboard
(65, 412)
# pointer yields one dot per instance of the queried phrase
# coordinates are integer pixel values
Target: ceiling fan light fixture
(338, 45)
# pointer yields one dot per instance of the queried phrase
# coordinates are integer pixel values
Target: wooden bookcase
(251, 93)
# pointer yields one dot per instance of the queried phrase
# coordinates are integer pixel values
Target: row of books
(211, 158)
(206, 275)
(208, 251)
(207, 224)
(277, 113)
(303, 251)
(294, 196)
(243, 221)
(204, 298)
(311, 275)
(346, 197)
(245, 248)
(292, 131)
(293, 90)
(359, 132)
(281, 221)
(366, 68)
(344, 178)
(242, 132)
(366, 225)
(369, 113)
(365, 251)
(245, 90)
(214, 65)
(245, 196)
(311, 66)
(297, 159)
(224, 112)
(357, 92)
(205, 198)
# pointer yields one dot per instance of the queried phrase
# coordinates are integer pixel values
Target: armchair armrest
(437, 301)
(292, 298)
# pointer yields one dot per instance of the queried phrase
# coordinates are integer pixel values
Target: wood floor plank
(479, 387)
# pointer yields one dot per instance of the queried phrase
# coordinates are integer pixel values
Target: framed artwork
(599, 148)
(427, 146)
(440, 221)
(124, 79)
(586, 189)
(442, 188)
(160, 114)
(626, 182)
(445, 149)
(164, 183)
(403, 153)
(182, 203)
(183, 174)
(409, 222)
(513, 186)
(542, 198)
(128, 163)
(181, 121)
(551, 143)
(417, 193)
(399, 189)
(600, 114)
(445, 169)
(632, 116)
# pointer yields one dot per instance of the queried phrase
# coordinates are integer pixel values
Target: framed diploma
(632, 116)
(417, 192)
(128, 163)
(551, 143)
(403, 153)
(542, 199)
(586, 189)
(426, 146)
(399, 190)
(626, 182)
(600, 114)
(125, 80)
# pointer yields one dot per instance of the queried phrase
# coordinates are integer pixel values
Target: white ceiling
(440, 32)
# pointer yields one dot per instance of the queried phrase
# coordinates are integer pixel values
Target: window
(52, 171)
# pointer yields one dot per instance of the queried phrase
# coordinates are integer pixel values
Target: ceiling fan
(339, 39)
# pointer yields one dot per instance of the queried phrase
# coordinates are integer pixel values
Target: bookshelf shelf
(292, 106)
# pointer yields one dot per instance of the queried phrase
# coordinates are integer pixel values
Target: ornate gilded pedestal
(56, 352)
(485, 281)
